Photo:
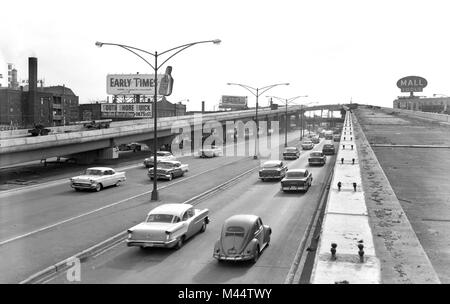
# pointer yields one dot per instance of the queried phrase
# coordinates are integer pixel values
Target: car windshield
(271, 165)
(307, 143)
(295, 174)
(235, 231)
(316, 154)
(328, 146)
(93, 172)
(162, 218)
(162, 154)
(165, 165)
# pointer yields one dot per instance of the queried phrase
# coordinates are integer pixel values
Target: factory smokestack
(31, 104)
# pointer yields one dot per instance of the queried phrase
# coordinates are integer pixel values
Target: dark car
(272, 169)
(336, 137)
(328, 149)
(317, 158)
(295, 180)
(243, 237)
(291, 153)
(168, 170)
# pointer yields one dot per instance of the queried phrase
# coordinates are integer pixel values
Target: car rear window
(235, 231)
(271, 165)
(295, 174)
(162, 218)
(316, 154)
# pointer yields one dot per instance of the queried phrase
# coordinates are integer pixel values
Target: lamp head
(217, 41)
(99, 44)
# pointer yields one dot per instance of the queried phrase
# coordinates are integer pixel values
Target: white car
(168, 225)
(97, 178)
(213, 151)
(160, 156)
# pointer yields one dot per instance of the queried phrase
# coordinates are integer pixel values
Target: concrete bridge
(87, 146)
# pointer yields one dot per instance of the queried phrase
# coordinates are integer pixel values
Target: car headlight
(92, 181)
(129, 235)
(71, 180)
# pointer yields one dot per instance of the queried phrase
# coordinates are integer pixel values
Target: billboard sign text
(412, 84)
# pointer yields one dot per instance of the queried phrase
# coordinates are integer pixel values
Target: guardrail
(346, 252)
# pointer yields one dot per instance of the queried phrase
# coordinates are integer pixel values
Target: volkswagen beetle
(243, 237)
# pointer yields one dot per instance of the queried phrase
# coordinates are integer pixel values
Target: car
(243, 237)
(133, 146)
(307, 145)
(315, 139)
(168, 226)
(97, 178)
(291, 153)
(272, 169)
(297, 179)
(160, 156)
(336, 137)
(168, 169)
(317, 158)
(328, 148)
(213, 151)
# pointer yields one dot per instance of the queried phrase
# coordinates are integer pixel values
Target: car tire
(256, 255)
(117, 184)
(98, 188)
(180, 242)
(203, 229)
(77, 189)
(171, 177)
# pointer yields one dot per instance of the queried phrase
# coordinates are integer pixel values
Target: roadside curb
(46, 273)
(295, 271)
(49, 272)
(402, 257)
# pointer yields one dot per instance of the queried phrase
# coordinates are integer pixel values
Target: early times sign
(131, 84)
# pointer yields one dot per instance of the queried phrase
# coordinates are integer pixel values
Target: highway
(288, 214)
(46, 224)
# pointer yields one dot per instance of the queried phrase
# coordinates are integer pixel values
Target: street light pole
(257, 94)
(287, 101)
(155, 67)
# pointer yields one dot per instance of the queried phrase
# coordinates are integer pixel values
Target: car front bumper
(83, 186)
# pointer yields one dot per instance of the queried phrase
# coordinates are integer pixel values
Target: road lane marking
(109, 206)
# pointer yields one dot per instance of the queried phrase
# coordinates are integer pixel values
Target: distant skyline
(332, 51)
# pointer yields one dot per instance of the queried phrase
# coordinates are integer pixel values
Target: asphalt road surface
(414, 155)
(46, 224)
(288, 214)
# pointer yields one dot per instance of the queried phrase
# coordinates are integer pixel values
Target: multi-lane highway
(288, 214)
(43, 225)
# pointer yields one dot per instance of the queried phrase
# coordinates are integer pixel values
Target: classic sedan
(97, 178)
(272, 169)
(307, 145)
(168, 170)
(317, 158)
(295, 180)
(160, 156)
(328, 148)
(168, 225)
(243, 237)
(213, 151)
(291, 153)
(315, 139)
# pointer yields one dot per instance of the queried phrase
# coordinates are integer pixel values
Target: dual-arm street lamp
(287, 101)
(257, 92)
(155, 68)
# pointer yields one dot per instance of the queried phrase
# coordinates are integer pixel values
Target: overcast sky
(330, 50)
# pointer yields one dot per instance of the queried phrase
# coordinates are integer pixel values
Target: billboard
(233, 102)
(412, 84)
(126, 110)
(132, 84)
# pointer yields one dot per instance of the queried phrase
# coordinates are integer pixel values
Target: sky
(332, 51)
